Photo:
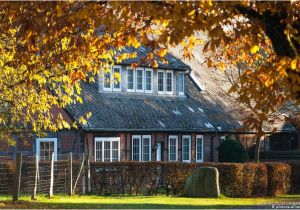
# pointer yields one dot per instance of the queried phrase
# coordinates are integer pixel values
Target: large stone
(203, 183)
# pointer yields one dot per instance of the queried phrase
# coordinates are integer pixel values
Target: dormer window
(165, 82)
(130, 80)
(139, 80)
(181, 83)
(161, 81)
(148, 80)
(112, 79)
(169, 82)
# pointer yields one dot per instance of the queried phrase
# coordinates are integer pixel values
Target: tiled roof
(172, 62)
(141, 112)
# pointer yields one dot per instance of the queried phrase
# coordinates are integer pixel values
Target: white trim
(150, 144)
(106, 139)
(190, 145)
(164, 76)
(133, 75)
(136, 81)
(222, 138)
(179, 92)
(140, 148)
(39, 140)
(151, 90)
(176, 137)
(202, 139)
(113, 79)
(172, 81)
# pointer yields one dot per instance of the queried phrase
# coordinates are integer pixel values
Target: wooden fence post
(87, 175)
(17, 178)
(70, 174)
(36, 178)
(52, 176)
(79, 173)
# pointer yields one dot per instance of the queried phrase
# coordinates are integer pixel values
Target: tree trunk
(257, 148)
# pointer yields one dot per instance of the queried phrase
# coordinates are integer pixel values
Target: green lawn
(150, 202)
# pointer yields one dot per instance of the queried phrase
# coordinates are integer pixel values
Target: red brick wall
(125, 144)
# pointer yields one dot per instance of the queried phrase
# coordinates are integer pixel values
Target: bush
(232, 151)
(295, 176)
(279, 178)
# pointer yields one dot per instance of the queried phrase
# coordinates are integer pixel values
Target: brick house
(177, 112)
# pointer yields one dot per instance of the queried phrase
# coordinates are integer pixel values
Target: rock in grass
(203, 183)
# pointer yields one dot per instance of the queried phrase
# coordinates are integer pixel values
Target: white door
(158, 152)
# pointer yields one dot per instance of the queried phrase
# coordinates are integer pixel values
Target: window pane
(115, 151)
(148, 80)
(136, 149)
(160, 81)
(99, 151)
(169, 81)
(173, 149)
(106, 151)
(146, 149)
(199, 145)
(180, 82)
(139, 79)
(117, 78)
(130, 79)
(185, 149)
(107, 80)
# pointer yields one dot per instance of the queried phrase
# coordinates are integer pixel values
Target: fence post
(52, 176)
(17, 178)
(87, 175)
(79, 173)
(36, 160)
(70, 174)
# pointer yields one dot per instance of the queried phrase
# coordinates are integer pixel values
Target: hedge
(236, 180)
(295, 176)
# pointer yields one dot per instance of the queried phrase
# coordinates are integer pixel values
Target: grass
(143, 202)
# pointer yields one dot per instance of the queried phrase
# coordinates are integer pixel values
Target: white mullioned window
(139, 80)
(148, 80)
(173, 148)
(107, 149)
(141, 147)
(161, 81)
(199, 148)
(186, 148)
(181, 83)
(130, 80)
(45, 147)
(169, 82)
(112, 79)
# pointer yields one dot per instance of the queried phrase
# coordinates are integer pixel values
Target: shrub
(279, 178)
(232, 151)
(295, 176)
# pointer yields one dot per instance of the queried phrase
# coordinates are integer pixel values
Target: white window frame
(133, 72)
(179, 92)
(172, 81)
(176, 137)
(164, 88)
(222, 138)
(202, 158)
(190, 145)
(143, 82)
(150, 144)
(105, 139)
(140, 148)
(113, 79)
(110, 78)
(39, 140)
(151, 90)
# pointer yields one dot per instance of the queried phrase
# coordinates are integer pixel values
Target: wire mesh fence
(64, 175)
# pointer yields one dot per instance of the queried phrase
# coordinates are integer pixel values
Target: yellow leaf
(294, 64)
(254, 49)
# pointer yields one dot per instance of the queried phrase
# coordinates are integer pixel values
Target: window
(169, 82)
(199, 148)
(186, 148)
(181, 83)
(160, 81)
(139, 80)
(141, 148)
(107, 149)
(45, 147)
(148, 80)
(130, 79)
(112, 79)
(117, 78)
(173, 148)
